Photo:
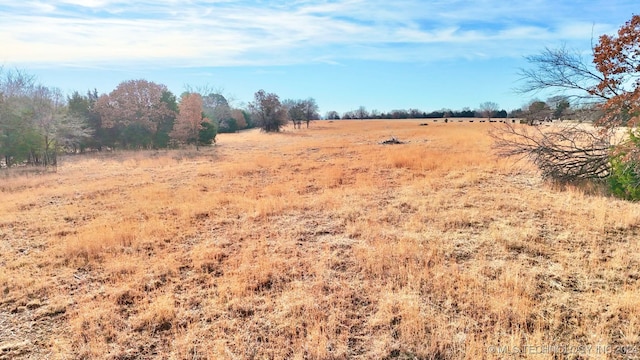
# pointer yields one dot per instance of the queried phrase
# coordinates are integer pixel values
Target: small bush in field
(624, 180)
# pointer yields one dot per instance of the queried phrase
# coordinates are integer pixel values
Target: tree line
(362, 113)
(38, 122)
(557, 107)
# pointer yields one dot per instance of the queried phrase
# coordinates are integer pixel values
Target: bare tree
(71, 132)
(301, 110)
(310, 108)
(361, 113)
(488, 109)
(562, 72)
(47, 112)
(563, 153)
(295, 111)
(268, 112)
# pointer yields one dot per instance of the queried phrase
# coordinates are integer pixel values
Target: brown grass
(315, 244)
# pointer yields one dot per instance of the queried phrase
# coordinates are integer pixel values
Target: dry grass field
(317, 243)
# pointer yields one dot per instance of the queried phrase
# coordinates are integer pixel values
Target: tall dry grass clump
(319, 243)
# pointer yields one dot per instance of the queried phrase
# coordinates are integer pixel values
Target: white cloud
(87, 3)
(209, 33)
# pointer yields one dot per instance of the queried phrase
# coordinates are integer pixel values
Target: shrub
(624, 179)
(207, 133)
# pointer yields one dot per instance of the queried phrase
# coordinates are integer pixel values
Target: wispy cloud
(228, 33)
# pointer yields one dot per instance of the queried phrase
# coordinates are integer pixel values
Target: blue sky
(382, 55)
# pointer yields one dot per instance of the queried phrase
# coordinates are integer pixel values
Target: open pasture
(317, 243)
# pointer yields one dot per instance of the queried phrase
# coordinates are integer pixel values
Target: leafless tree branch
(564, 153)
(564, 72)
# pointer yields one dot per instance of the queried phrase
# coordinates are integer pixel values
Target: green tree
(207, 133)
(17, 139)
(166, 122)
(17, 135)
(624, 180)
